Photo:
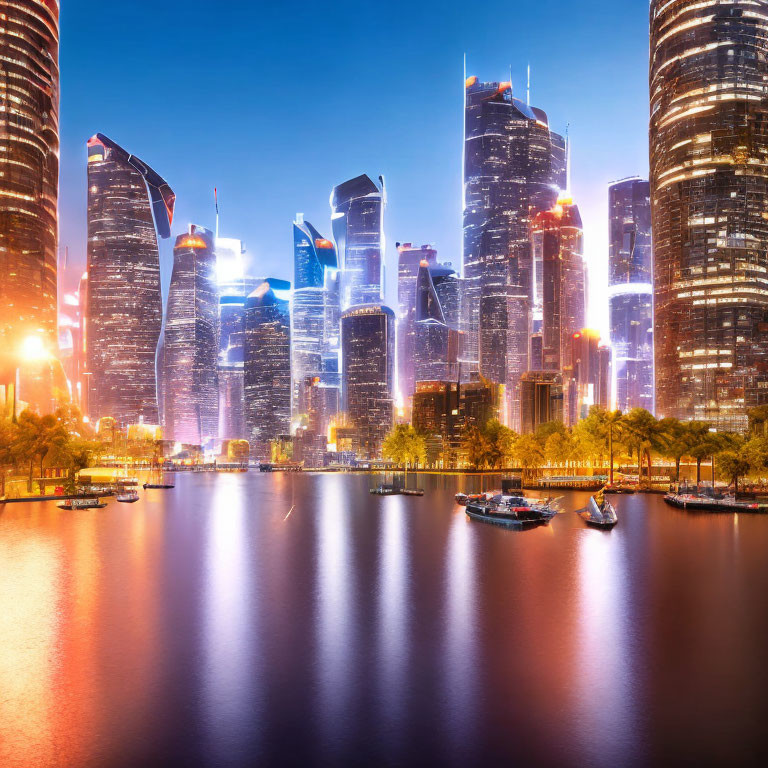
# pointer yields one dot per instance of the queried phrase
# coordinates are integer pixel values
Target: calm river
(297, 620)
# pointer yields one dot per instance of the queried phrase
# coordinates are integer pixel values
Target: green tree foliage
(732, 466)
(529, 453)
(405, 446)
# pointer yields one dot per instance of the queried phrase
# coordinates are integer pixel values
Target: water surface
(295, 619)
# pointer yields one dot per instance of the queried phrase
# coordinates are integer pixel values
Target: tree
(500, 443)
(559, 449)
(529, 453)
(477, 447)
(38, 436)
(702, 442)
(643, 435)
(405, 446)
(732, 466)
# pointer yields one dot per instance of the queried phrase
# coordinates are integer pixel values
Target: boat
(512, 511)
(158, 483)
(82, 503)
(127, 497)
(412, 491)
(696, 502)
(600, 515)
(386, 490)
(472, 498)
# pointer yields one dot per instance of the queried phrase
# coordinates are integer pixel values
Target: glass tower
(191, 346)
(514, 165)
(267, 365)
(630, 292)
(29, 172)
(368, 364)
(357, 208)
(315, 313)
(125, 312)
(709, 197)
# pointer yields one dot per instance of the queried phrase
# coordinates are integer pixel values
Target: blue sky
(276, 103)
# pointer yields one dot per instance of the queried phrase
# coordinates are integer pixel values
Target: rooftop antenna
(528, 90)
(568, 157)
(216, 200)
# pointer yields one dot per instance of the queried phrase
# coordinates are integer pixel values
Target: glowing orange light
(191, 241)
(323, 244)
(471, 81)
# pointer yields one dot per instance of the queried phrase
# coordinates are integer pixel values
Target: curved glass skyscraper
(125, 311)
(630, 292)
(315, 311)
(191, 350)
(29, 171)
(709, 197)
(357, 208)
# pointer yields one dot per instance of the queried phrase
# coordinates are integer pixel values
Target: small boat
(600, 515)
(82, 503)
(158, 486)
(386, 490)
(412, 491)
(696, 502)
(472, 498)
(128, 497)
(512, 511)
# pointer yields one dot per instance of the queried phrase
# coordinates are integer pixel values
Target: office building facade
(129, 206)
(709, 196)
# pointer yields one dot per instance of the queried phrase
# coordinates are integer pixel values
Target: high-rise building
(588, 380)
(409, 261)
(315, 312)
(267, 365)
(29, 174)
(368, 374)
(709, 197)
(630, 292)
(435, 344)
(234, 287)
(514, 165)
(125, 311)
(541, 396)
(558, 238)
(357, 208)
(448, 288)
(444, 410)
(191, 407)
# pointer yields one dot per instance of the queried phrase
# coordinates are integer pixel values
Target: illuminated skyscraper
(541, 397)
(29, 173)
(513, 166)
(409, 261)
(357, 208)
(709, 197)
(630, 292)
(368, 366)
(234, 287)
(558, 240)
(124, 315)
(436, 344)
(588, 381)
(315, 313)
(267, 365)
(191, 350)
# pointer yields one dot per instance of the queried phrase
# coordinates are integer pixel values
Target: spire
(568, 157)
(528, 89)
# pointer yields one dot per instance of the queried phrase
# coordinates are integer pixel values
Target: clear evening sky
(275, 103)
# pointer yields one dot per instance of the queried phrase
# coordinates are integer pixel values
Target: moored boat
(600, 513)
(696, 502)
(127, 497)
(472, 498)
(82, 503)
(412, 491)
(386, 490)
(512, 511)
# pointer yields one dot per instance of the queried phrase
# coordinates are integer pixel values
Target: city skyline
(257, 207)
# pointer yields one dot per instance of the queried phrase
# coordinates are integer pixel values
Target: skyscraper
(234, 287)
(368, 374)
(357, 208)
(436, 345)
(709, 197)
(124, 314)
(29, 173)
(558, 241)
(541, 397)
(315, 312)
(513, 166)
(191, 345)
(630, 292)
(409, 261)
(267, 365)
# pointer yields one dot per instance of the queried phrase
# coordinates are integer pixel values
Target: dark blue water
(296, 620)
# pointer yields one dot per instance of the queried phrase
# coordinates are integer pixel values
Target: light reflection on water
(211, 627)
